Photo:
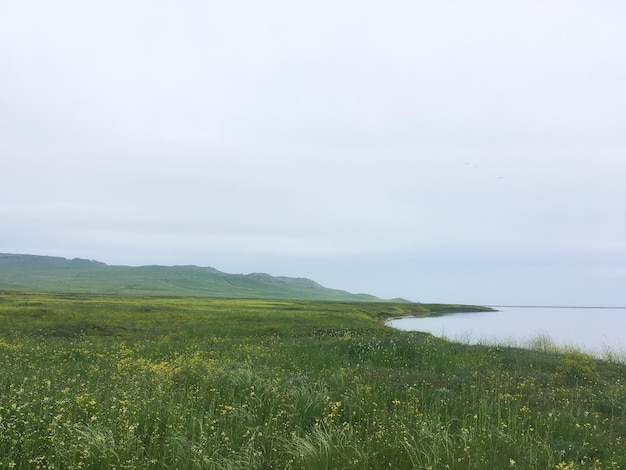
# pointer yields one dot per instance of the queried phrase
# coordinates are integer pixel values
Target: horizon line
(554, 306)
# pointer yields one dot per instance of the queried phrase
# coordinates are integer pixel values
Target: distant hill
(60, 275)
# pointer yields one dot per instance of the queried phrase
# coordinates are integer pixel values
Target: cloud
(385, 148)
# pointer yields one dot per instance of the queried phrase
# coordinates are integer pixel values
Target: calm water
(590, 329)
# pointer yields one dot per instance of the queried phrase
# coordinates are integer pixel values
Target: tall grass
(92, 382)
(545, 344)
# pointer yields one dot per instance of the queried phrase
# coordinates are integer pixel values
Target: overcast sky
(446, 151)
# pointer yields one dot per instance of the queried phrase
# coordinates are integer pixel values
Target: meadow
(195, 383)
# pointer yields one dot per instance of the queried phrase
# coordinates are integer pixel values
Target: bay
(598, 331)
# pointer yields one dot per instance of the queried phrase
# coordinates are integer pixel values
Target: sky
(449, 151)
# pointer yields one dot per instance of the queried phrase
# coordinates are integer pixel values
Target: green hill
(60, 275)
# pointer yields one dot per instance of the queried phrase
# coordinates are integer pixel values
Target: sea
(595, 330)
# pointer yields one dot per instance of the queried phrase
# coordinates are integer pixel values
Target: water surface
(591, 329)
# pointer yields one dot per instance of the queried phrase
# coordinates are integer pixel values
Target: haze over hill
(21, 272)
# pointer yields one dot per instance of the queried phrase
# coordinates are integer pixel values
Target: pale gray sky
(443, 151)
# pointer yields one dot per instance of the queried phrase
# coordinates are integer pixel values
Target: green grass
(192, 383)
(22, 273)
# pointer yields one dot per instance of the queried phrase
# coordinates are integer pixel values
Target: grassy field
(192, 383)
(19, 273)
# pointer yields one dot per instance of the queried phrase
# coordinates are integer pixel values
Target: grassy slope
(49, 274)
(130, 382)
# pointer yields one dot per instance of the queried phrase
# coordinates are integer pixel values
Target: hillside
(32, 273)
